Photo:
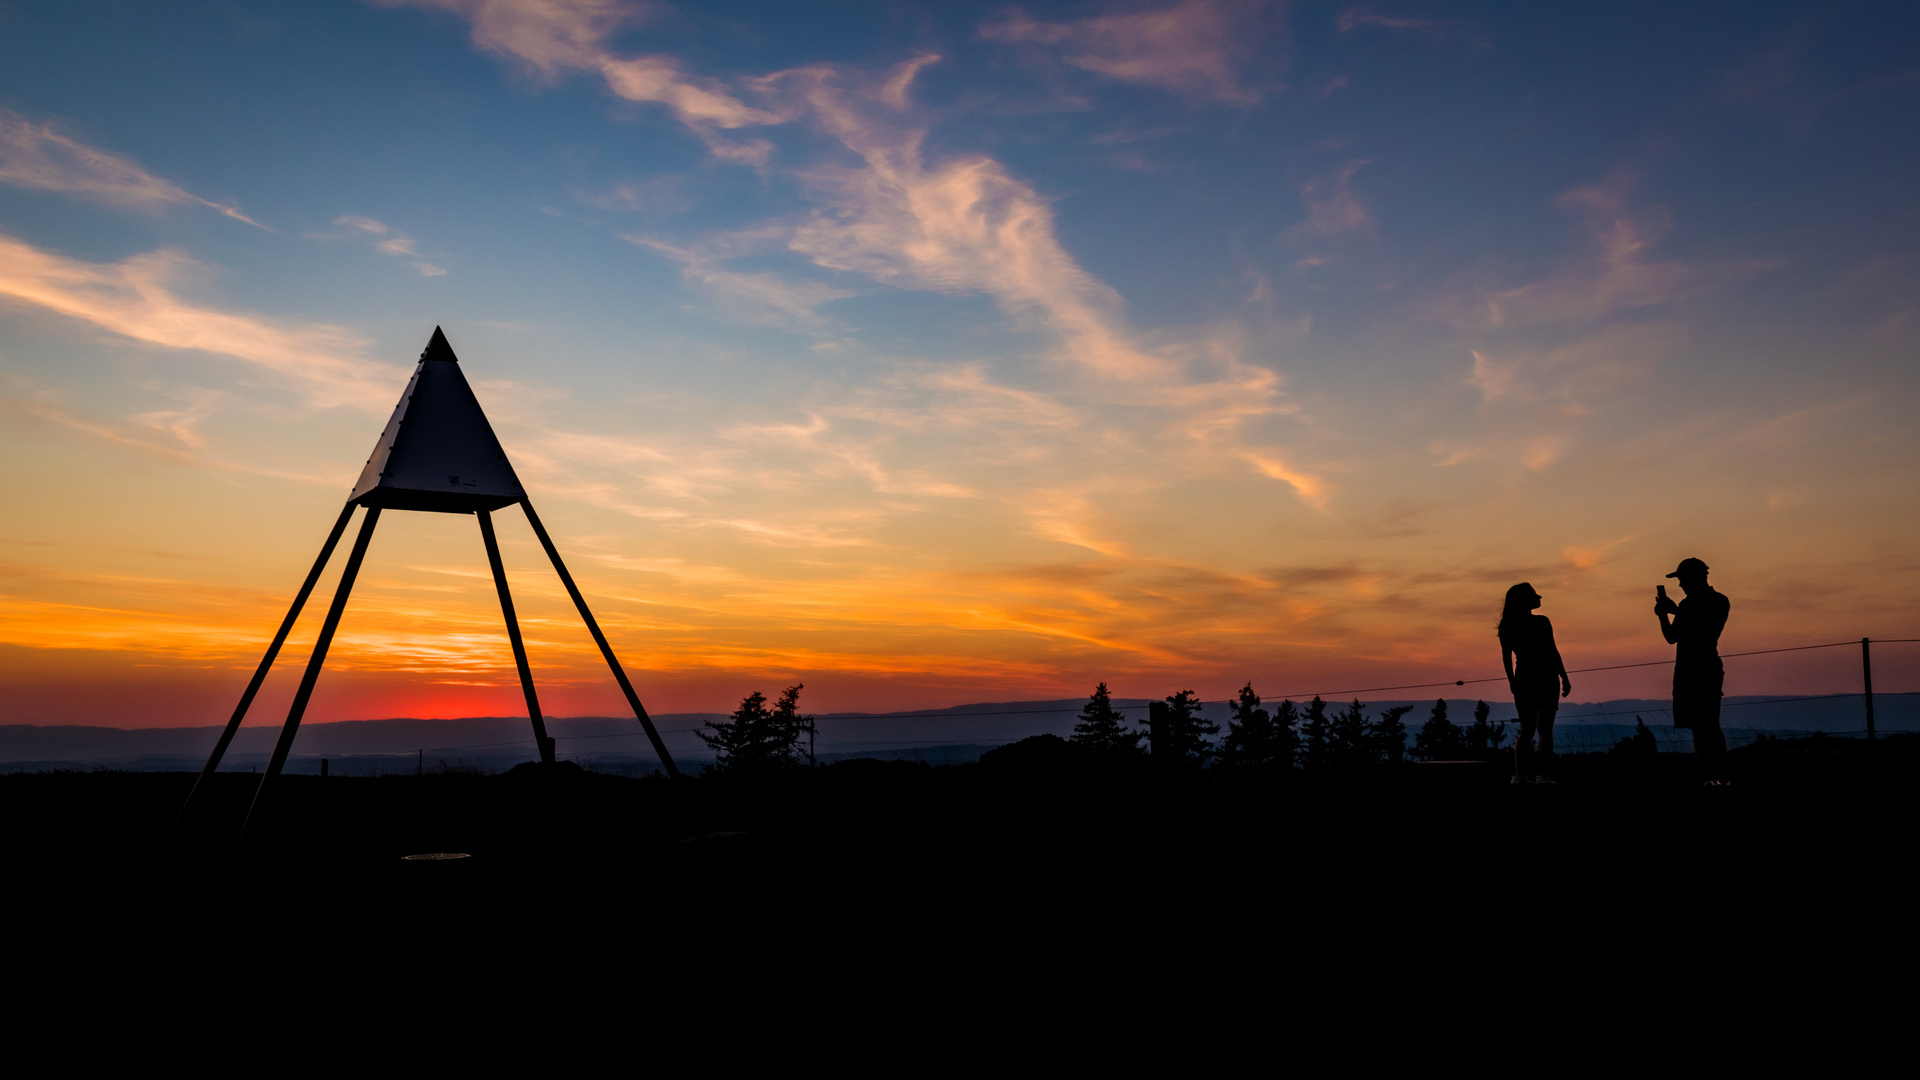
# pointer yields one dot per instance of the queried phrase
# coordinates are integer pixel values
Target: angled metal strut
(266, 663)
(513, 635)
(315, 662)
(600, 639)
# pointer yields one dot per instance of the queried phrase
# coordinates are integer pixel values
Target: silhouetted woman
(1537, 676)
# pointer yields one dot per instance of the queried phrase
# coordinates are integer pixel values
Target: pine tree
(1191, 733)
(1286, 717)
(1103, 728)
(1316, 735)
(756, 737)
(1348, 737)
(1439, 739)
(1253, 739)
(1484, 738)
(1389, 734)
(788, 725)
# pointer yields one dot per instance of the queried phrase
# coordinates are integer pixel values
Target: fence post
(1866, 677)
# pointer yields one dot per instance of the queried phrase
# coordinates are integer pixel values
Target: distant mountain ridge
(958, 732)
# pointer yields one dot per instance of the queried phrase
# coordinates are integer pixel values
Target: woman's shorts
(1542, 699)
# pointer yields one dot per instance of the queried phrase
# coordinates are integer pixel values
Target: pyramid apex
(438, 452)
(438, 349)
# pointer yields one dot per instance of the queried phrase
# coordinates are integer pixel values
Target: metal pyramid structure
(437, 454)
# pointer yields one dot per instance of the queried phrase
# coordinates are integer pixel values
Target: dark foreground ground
(1049, 865)
(1026, 818)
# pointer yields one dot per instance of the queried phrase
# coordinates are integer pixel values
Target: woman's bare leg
(1523, 746)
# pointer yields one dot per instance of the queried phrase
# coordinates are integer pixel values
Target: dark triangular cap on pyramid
(438, 451)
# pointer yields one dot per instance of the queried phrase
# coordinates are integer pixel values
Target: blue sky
(968, 350)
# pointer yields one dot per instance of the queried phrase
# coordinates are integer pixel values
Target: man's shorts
(1698, 712)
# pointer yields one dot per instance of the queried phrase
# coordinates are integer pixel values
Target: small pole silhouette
(1866, 677)
(1160, 733)
(437, 454)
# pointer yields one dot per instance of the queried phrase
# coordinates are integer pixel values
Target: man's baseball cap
(1689, 566)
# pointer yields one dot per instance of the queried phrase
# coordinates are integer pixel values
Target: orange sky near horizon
(1172, 345)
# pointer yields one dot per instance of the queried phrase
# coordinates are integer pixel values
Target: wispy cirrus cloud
(1616, 270)
(385, 238)
(963, 224)
(890, 212)
(40, 157)
(1593, 324)
(766, 299)
(1194, 48)
(168, 435)
(135, 298)
(1440, 31)
(552, 37)
(1332, 207)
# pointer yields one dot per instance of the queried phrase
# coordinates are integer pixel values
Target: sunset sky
(942, 353)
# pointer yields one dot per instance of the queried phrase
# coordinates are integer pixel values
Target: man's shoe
(1544, 780)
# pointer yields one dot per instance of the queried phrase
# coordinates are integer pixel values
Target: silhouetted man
(1698, 677)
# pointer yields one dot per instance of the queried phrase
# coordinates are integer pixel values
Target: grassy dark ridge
(1031, 841)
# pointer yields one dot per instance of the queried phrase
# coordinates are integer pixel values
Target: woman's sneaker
(1518, 779)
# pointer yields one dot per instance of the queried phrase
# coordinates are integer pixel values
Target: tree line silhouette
(1286, 736)
(758, 737)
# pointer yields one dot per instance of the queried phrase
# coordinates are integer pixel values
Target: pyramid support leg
(513, 635)
(314, 663)
(600, 639)
(266, 663)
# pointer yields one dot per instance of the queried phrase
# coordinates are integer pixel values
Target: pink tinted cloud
(1441, 31)
(135, 299)
(889, 211)
(552, 37)
(956, 225)
(1617, 272)
(387, 240)
(1332, 207)
(1193, 48)
(38, 156)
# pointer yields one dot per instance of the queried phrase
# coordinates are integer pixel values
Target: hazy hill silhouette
(952, 734)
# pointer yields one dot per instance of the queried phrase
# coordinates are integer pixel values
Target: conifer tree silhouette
(1316, 735)
(1351, 742)
(788, 725)
(1254, 738)
(1103, 728)
(1438, 739)
(1389, 734)
(1286, 720)
(1191, 733)
(1484, 738)
(756, 737)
